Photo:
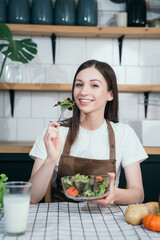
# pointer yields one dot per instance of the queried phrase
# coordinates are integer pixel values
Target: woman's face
(90, 91)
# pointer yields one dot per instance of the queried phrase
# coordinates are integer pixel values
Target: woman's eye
(78, 84)
(95, 85)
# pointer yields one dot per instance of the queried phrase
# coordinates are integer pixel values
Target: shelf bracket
(146, 100)
(120, 43)
(11, 95)
(53, 39)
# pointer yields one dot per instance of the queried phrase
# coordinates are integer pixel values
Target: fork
(62, 111)
(61, 114)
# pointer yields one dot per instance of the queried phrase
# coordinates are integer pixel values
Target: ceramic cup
(16, 199)
(121, 19)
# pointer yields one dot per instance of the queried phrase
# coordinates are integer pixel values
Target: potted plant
(22, 51)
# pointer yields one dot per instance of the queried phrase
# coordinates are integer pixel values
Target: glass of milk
(16, 199)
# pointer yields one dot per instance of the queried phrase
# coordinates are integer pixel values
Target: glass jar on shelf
(12, 73)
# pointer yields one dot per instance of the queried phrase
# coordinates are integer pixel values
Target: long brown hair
(111, 109)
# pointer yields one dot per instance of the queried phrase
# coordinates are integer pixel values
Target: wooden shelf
(138, 88)
(25, 147)
(83, 31)
(68, 87)
(35, 87)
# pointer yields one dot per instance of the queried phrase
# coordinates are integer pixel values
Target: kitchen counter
(25, 147)
(15, 147)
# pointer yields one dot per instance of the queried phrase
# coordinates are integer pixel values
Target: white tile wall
(1, 104)
(22, 104)
(115, 53)
(130, 52)
(106, 19)
(107, 5)
(100, 49)
(37, 73)
(120, 74)
(70, 50)
(156, 75)
(29, 129)
(44, 47)
(33, 110)
(149, 52)
(42, 105)
(8, 129)
(138, 75)
(7, 107)
(59, 73)
(128, 106)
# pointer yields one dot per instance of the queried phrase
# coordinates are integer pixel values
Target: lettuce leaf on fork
(68, 103)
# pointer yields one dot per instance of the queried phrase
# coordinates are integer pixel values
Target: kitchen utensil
(19, 11)
(65, 12)
(136, 13)
(3, 11)
(87, 13)
(121, 19)
(42, 12)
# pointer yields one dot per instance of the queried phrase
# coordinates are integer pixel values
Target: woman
(91, 142)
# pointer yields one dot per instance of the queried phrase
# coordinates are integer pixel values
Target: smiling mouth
(85, 100)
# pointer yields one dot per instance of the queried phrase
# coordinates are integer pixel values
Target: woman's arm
(43, 170)
(132, 194)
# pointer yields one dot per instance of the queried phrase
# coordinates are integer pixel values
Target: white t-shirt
(94, 144)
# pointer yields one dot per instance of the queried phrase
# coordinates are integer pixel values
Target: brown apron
(69, 165)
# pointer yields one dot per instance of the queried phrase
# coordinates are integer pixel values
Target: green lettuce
(3, 178)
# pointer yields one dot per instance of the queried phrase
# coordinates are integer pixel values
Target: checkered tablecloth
(78, 221)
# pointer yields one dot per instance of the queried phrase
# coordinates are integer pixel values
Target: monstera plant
(22, 51)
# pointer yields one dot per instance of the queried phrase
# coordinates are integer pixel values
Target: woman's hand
(109, 199)
(53, 141)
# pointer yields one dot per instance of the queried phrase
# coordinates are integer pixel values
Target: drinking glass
(16, 200)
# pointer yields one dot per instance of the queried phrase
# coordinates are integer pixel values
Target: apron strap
(67, 146)
(111, 141)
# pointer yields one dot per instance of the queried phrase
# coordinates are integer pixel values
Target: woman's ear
(110, 96)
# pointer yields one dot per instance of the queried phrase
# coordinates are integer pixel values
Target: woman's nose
(84, 90)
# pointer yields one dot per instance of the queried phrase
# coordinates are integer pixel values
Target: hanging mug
(87, 13)
(3, 11)
(19, 11)
(42, 12)
(65, 12)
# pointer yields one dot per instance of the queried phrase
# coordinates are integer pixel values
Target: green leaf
(16, 50)
(5, 32)
(3, 178)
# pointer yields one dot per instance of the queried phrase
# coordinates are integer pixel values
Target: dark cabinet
(151, 178)
(18, 167)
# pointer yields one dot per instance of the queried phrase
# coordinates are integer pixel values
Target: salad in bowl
(85, 187)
